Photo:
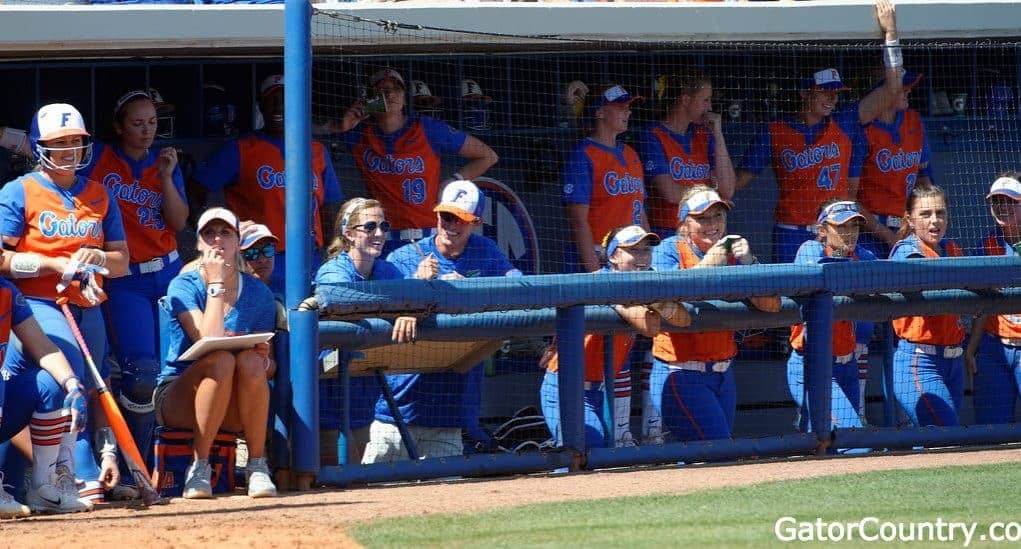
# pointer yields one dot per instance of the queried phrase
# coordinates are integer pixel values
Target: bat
(117, 423)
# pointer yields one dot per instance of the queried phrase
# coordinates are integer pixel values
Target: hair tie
(349, 211)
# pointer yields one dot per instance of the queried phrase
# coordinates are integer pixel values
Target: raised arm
(880, 99)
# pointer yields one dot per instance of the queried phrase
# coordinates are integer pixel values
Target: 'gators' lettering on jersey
(610, 181)
(686, 158)
(897, 154)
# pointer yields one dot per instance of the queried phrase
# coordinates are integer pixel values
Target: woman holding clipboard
(223, 388)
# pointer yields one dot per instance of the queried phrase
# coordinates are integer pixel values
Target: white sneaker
(197, 484)
(9, 507)
(49, 499)
(260, 483)
(627, 440)
(653, 440)
(68, 486)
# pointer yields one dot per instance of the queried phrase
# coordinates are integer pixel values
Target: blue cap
(699, 202)
(1005, 186)
(614, 94)
(839, 213)
(630, 236)
(907, 80)
(826, 79)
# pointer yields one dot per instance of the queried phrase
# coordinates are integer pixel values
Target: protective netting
(539, 104)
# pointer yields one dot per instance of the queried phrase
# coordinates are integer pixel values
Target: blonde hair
(682, 230)
(350, 214)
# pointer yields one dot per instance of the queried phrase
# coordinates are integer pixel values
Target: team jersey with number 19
(250, 170)
(811, 163)
(136, 187)
(57, 222)
(402, 170)
(895, 156)
(610, 181)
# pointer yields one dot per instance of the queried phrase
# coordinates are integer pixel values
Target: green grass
(730, 517)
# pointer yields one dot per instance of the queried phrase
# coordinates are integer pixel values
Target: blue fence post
(571, 378)
(890, 405)
(298, 259)
(817, 311)
(609, 390)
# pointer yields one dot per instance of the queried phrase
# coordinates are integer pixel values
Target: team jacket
(811, 163)
(609, 180)
(843, 331)
(55, 222)
(402, 170)
(136, 187)
(250, 170)
(933, 330)
(687, 158)
(679, 253)
(895, 156)
(1001, 325)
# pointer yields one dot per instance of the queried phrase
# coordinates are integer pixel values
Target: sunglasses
(371, 226)
(267, 251)
(448, 217)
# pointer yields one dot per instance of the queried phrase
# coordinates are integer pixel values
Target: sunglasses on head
(267, 251)
(371, 226)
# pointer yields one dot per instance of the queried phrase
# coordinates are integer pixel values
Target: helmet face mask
(164, 125)
(53, 122)
(83, 153)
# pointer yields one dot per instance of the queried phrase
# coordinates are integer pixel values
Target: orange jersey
(933, 330)
(896, 154)
(687, 159)
(609, 181)
(808, 174)
(683, 347)
(843, 330)
(594, 355)
(138, 191)
(57, 222)
(402, 170)
(1001, 325)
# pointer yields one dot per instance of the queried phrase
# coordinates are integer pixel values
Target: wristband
(102, 255)
(220, 282)
(892, 56)
(63, 382)
(25, 265)
(14, 140)
(457, 177)
(106, 441)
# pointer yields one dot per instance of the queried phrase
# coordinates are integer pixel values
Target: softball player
(399, 157)
(251, 172)
(222, 389)
(149, 190)
(627, 249)
(602, 181)
(437, 406)
(928, 367)
(817, 154)
(36, 399)
(692, 383)
(62, 226)
(259, 248)
(354, 256)
(686, 147)
(840, 223)
(997, 339)
(898, 158)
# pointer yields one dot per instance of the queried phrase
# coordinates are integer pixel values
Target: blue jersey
(13, 311)
(340, 268)
(254, 311)
(435, 399)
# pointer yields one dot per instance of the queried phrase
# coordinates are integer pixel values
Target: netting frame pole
(817, 311)
(571, 380)
(298, 259)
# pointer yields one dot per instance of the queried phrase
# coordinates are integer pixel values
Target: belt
(945, 351)
(1011, 341)
(810, 228)
(844, 359)
(890, 221)
(154, 265)
(593, 385)
(698, 366)
(407, 235)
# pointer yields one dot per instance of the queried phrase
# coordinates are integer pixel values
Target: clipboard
(224, 343)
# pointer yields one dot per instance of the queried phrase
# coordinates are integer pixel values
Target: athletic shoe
(122, 492)
(197, 484)
(48, 498)
(69, 488)
(260, 483)
(9, 507)
(627, 440)
(652, 440)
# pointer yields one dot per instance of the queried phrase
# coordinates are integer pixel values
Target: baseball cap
(826, 79)
(57, 120)
(471, 90)
(223, 214)
(383, 74)
(614, 94)
(254, 233)
(463, 199)
(630, 236)
(271, 83)
(839, 213)
(422, 96)
(699, 202)
(1005, 186)
(907, 80)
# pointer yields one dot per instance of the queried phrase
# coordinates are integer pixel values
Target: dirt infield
(319, 518)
